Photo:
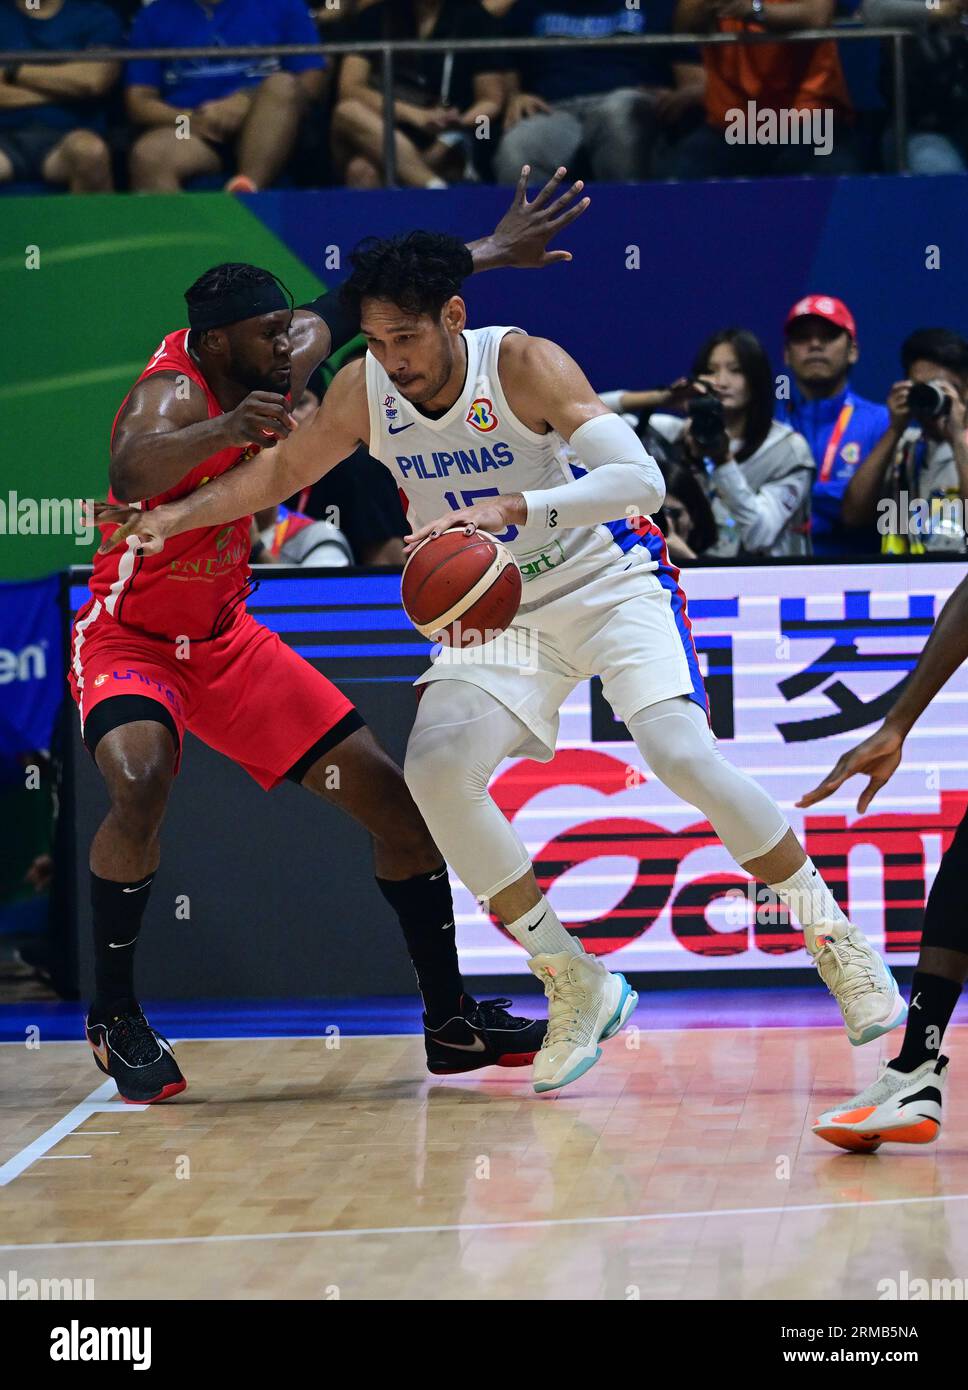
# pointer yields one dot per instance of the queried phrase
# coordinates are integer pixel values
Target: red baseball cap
(824, 306)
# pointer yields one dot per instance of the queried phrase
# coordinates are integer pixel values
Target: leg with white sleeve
(459, 738)
(674, 738)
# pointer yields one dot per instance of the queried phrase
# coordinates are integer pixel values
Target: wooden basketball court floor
(680, 1167)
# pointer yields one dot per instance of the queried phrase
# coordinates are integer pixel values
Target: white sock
(436, 183)
(813, 905)
(540, 932)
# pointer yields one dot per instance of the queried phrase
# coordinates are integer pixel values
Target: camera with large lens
(928, 402)
(707, 421)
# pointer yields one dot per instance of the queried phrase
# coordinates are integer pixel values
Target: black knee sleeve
(126, 709)
(945, 919)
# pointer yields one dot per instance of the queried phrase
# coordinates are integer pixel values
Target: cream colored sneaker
(860, 982)
(586, 1004)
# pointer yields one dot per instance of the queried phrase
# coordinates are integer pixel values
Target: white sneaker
(586, 1004)
(861, 983)
(902, 1107)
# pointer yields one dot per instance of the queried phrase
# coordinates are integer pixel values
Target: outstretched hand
(878, 757)
(148, 529)
(523, 233)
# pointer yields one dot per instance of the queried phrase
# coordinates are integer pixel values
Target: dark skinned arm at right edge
(880, 755)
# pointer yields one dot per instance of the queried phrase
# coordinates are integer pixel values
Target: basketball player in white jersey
(494, 429)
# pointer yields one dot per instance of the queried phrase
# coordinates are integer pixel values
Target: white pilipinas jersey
(479, 449)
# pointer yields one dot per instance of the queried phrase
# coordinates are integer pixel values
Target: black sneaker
(482, 1035)
(140, 1060)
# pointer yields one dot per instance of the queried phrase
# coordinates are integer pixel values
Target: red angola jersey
(199, 582)
(244, 692)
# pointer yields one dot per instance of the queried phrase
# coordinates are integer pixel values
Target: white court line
(95, 1104)
(235, 1037)
(56, 1158)
(739, 1025)
(483, 1226)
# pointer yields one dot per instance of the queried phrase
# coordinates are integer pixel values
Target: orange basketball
(461, 589)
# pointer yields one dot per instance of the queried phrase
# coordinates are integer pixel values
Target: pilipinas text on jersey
(478, 449)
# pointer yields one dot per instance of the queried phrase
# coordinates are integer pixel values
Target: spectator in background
(862, 62)
(922, 457)
(51, 117)
(360, 497)
(936, 70)
(286, 536)
(686, 518)
(622, 108)
(330, 18)
(756, 471)
(281, 536)
(438, 100)
(840, 426)
(241, 111)
(777, 78)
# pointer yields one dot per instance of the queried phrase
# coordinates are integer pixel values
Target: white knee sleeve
(674, 738)
(461, 734)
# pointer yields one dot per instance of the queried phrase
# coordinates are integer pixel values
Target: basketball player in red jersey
(165, 644)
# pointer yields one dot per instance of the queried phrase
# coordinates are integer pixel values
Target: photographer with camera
(756, 471)
(914, 483)
(685, 517)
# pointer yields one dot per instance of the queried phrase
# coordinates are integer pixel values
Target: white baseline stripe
(483, 1226)
(369, 1037)
(227, 1037)
(95, 1103)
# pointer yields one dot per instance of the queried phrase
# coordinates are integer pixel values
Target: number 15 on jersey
(468, 500)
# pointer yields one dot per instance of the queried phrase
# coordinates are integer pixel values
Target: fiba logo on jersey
(481, 415)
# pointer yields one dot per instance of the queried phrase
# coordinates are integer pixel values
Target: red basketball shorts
(244, 693)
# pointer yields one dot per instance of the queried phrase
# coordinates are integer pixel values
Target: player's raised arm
(547, 390)
(520, 240)
(522, 235)
(271, 476)
(879, 756)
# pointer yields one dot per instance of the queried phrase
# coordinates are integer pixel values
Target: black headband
(245, 302)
